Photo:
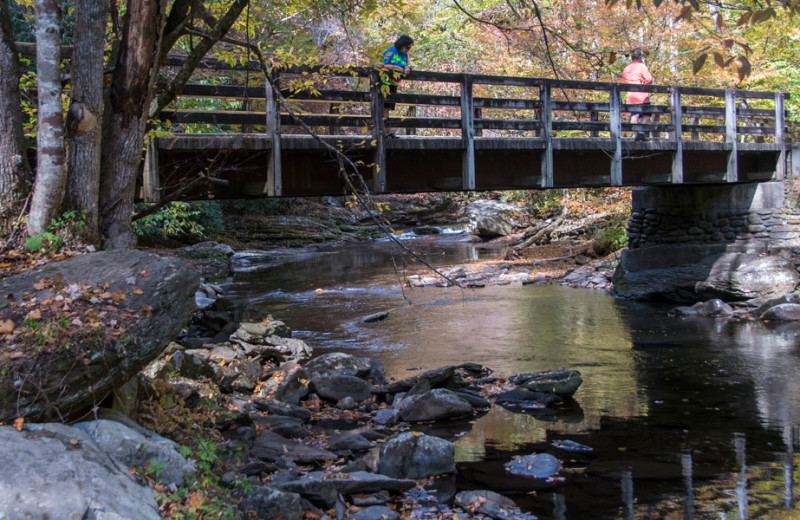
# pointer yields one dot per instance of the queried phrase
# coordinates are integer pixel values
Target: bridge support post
(151, 184)
(732, 174)
(615, 129)
(274, 185)
(780, 136)
(376, 107)
(677, 123)
(545, 96)
(467, 134)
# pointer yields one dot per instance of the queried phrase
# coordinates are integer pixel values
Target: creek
(687, 418)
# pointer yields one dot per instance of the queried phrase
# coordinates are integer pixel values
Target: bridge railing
(348, 101)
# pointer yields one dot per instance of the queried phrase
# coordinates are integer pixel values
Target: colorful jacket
(392, 56)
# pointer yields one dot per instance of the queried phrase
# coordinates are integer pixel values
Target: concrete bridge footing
(737, 242)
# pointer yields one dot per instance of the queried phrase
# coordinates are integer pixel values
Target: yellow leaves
(6, 326)
(416, 434)
(195, 500)
(18, 423)
(138, 291)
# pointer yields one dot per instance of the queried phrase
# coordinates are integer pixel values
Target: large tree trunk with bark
(15, 174)
(85, 115)
(50, 158)
(125, 118)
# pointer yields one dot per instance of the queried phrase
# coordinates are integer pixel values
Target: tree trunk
(50, 172)
(15, 174)
(85, 115)
(125, 118)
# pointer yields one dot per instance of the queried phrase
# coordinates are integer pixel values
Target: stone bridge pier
(736, 242)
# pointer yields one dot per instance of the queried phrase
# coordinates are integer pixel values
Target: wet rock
(491, 504)
(270, 446)
(415, 455)
(436, 405)
(571, 446)
(57, 471)
(475, 401)
(335, 388)
(348, 403)
(270, 502)
(560, 382)
(435, 378)
(526, 400)
(372, 318)
(130, 448)
(287, 384)
(711, 308)
(536, 466)
(193, 364)
(375, 513)
(257, 333)
(782, 312)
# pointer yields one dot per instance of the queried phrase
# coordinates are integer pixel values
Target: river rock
(57, 471)
(712, 308)
(537, 466)
(571, 446)
(521, 400)
(415, 455)
(335, 388)
(47, 384)
(376, 513)
(288, 384)
(563, 383)
(692, 273)
(281, 408)
(270, 502)
(436, 405)
(363, 482)
(338, 363)
(209, 258)
(270, 446)
(486, 503)
(318, 491)
(130, 448)
(387, 417)
(435, 378)
(352, 442)
(490, 218)
(782, 312)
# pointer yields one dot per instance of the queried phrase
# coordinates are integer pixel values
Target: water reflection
(687, 418)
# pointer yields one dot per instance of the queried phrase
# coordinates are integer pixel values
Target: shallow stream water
(687, 418)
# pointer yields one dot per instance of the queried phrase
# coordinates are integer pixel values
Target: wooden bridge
(456, 132)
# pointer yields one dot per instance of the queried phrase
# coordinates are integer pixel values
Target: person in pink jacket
(637, 74)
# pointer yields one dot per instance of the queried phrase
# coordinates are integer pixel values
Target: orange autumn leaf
(6, 326)
(138, 291)
(35, 314)
(18, 422)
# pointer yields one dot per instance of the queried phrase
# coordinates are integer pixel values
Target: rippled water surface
(687, 418)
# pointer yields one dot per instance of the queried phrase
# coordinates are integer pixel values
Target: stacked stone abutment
(735, 242)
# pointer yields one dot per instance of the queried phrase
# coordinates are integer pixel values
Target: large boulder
(436, 405)
(153, 294)
(691, 273)
(490, 218)
(57, 471)
(141, 449)
(415, 455)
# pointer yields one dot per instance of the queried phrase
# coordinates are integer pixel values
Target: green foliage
(611, 236)
(181, 220)
(62, 229)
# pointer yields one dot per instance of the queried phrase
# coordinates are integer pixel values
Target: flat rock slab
(59, 472)
(271, 446)
(363, 482)
(52, 387)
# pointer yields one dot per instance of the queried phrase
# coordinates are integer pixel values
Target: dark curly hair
(637, 54)
(403, 41)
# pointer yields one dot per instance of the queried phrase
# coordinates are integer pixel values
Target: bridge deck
(528, 133)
